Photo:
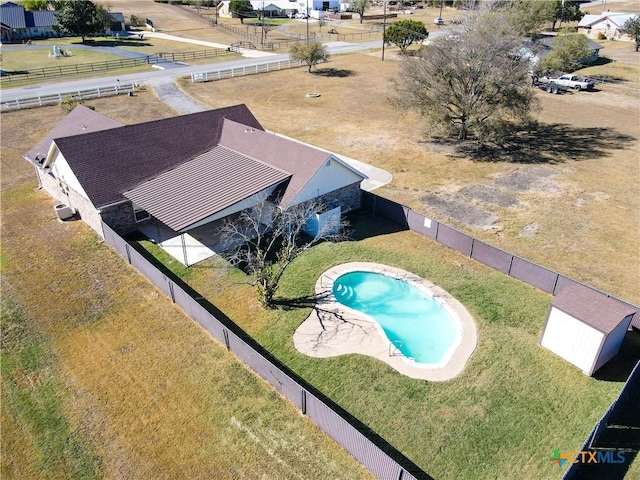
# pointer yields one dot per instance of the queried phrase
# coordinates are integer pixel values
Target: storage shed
(585, 327)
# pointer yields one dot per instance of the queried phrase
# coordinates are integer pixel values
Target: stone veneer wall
(120, 217)
(63, 194)
(349, 197)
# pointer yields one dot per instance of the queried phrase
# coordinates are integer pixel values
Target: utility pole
(307, 15)
(384, 25)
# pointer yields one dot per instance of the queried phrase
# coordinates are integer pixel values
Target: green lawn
(511, 407)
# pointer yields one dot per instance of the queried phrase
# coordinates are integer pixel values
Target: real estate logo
(585, 456)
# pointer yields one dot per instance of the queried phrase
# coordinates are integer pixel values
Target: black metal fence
(381, 458)
(617, 407)
(509, 264)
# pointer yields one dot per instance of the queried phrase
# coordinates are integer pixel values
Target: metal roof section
(13, 15)
(211, 182)
(301, 160)
(40, 18)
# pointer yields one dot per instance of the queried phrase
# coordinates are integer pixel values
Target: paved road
(159, 74)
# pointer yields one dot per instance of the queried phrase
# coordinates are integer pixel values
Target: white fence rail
(242, 71)
(41, 100)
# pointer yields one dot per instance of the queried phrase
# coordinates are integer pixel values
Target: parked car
(438, 21)
(300, 15)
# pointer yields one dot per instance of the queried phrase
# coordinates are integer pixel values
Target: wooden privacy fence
(382, 459)
(242, 71)
(507, 263)
(52, 99)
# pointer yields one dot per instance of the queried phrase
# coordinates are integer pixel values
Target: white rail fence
(51, 99)
(242, 71)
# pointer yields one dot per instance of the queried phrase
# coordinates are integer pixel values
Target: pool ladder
(394, 348)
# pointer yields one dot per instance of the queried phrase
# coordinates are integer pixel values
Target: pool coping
(333, 329)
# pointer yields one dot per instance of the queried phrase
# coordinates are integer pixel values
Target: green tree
(34, 5)
(569, 12)
(568, 51)
(240, 9)
(404, 32)
(529, 17)
(473, 84)
(632, 28)
(359, 6)
(81, 18)
(310, 53)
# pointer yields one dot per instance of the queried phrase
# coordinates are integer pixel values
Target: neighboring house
(540, 47)
(183, 174)
(20, 24)
(117, 24)
(610, 24)
(283, 8)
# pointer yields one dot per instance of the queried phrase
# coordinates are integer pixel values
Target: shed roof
(592, 307)
(211, 182)
(109, 162)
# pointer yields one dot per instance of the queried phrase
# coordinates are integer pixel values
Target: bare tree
(265, 239)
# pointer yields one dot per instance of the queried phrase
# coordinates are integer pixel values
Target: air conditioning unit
(63, 211)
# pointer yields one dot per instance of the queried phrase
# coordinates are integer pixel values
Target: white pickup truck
(573, 81)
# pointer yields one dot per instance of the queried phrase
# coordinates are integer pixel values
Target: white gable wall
(612, 343)
(331, 176)
(62, 171)
(573, 340)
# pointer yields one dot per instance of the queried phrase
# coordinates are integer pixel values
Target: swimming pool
(413, 321)
(334, 328)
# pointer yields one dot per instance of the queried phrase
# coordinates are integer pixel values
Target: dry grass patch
(126, 385)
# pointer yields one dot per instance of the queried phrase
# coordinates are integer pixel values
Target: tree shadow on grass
(333, 72)
(123, 42)
(548, 143)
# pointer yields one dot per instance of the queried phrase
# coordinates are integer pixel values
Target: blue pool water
(419, 326)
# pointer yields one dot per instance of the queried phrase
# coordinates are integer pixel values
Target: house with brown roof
(177, 177)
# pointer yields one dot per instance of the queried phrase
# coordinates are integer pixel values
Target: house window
(140, 214)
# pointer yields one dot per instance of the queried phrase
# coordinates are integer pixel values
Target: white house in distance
(585, 327)
(177, 179)
(284, 8)
(610, 24)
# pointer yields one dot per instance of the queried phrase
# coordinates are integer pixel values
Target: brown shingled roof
(79, 121)
(211, 182)
(591, 307)
(107, 163)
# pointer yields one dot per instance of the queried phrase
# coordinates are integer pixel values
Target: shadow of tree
(334, 72)
(123, 42)
(548, 143)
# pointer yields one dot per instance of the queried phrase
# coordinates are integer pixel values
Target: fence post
(39, 100)
(303, 402)
(128, 253)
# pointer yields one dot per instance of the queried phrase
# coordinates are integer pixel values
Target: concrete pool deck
(333, 329)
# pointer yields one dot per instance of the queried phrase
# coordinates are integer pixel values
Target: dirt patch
(460, 210)
(535, 178)
(489, 194)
